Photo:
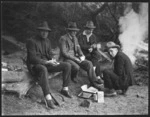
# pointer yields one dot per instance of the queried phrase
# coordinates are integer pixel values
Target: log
(21, 88)
(19, 82)
(13, 76)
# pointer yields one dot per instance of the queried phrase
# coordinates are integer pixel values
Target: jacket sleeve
(63, 49)
(50, 50)
(34, 58)
(82, 45)
(79, 48)
(95, 39)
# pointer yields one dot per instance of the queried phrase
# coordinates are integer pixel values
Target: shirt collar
(84, 33)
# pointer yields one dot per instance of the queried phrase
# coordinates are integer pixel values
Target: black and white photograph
(74, 58)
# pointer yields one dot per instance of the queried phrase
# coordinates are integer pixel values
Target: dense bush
(20, 19)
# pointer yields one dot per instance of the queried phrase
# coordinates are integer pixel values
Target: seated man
(89, 46)
(71, 52)
(40, 62)
(122, 76)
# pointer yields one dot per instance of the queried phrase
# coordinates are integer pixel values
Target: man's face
(88, 31)
(44, 33)
(73, 33)
(113, 52)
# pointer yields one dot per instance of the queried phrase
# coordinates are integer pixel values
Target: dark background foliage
(20, 19)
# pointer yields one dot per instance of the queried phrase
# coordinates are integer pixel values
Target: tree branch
(100, 9)
(112, 14)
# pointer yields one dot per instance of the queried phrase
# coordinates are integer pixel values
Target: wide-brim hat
(111, 44)
(90, 25)
(44, 26)
(72, 26)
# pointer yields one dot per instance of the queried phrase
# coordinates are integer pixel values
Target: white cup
(100, 95)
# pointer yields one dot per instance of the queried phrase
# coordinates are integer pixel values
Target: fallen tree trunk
(19, 82)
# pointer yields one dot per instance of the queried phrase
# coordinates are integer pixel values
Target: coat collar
(69, 36)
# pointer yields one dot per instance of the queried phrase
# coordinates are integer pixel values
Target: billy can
(95, 97)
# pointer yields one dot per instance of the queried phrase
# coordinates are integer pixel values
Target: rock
(140, 83)
(4, 64)
(140, 96)
(85, 103)
(4, 69)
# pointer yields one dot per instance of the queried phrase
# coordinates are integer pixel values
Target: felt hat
(72, 26)
(111, 44)
(44, 26)
(90, 25)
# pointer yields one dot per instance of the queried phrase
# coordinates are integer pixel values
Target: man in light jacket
(72, 53)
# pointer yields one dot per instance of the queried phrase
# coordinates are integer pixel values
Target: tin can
(95, 97)
(100, 97)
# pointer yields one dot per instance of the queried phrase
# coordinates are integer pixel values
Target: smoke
(134, 30)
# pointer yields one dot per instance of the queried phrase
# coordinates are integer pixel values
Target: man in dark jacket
(89, 46)
(72, 54)
(122, 76)
(40, 62)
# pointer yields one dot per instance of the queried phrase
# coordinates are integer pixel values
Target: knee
(106, 71)
(75, 67)
(41, 68)
(89, 64)
(67, 66)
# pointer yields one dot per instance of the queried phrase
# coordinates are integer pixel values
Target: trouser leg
(65, 68)
(74, 68)
(42, 77)
(98, 70)
(94, 59)
(88, 67)
(111, 80)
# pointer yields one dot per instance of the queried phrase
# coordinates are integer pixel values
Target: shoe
(124, 92)
(49, 104)
(98, 86)
(110, 93)
(66, 93)
(119, 92)
(73, 79)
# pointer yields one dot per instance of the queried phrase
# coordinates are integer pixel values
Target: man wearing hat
(89, 46)
(121, 77)
(72, 53)
(40, 62)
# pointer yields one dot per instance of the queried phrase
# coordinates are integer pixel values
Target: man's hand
(77, 60)
(90, 49)
(94, 46)
(99, 46)
(52, 62)
(82, 58)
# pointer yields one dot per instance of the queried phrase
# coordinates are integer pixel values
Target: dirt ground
(135, 103)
